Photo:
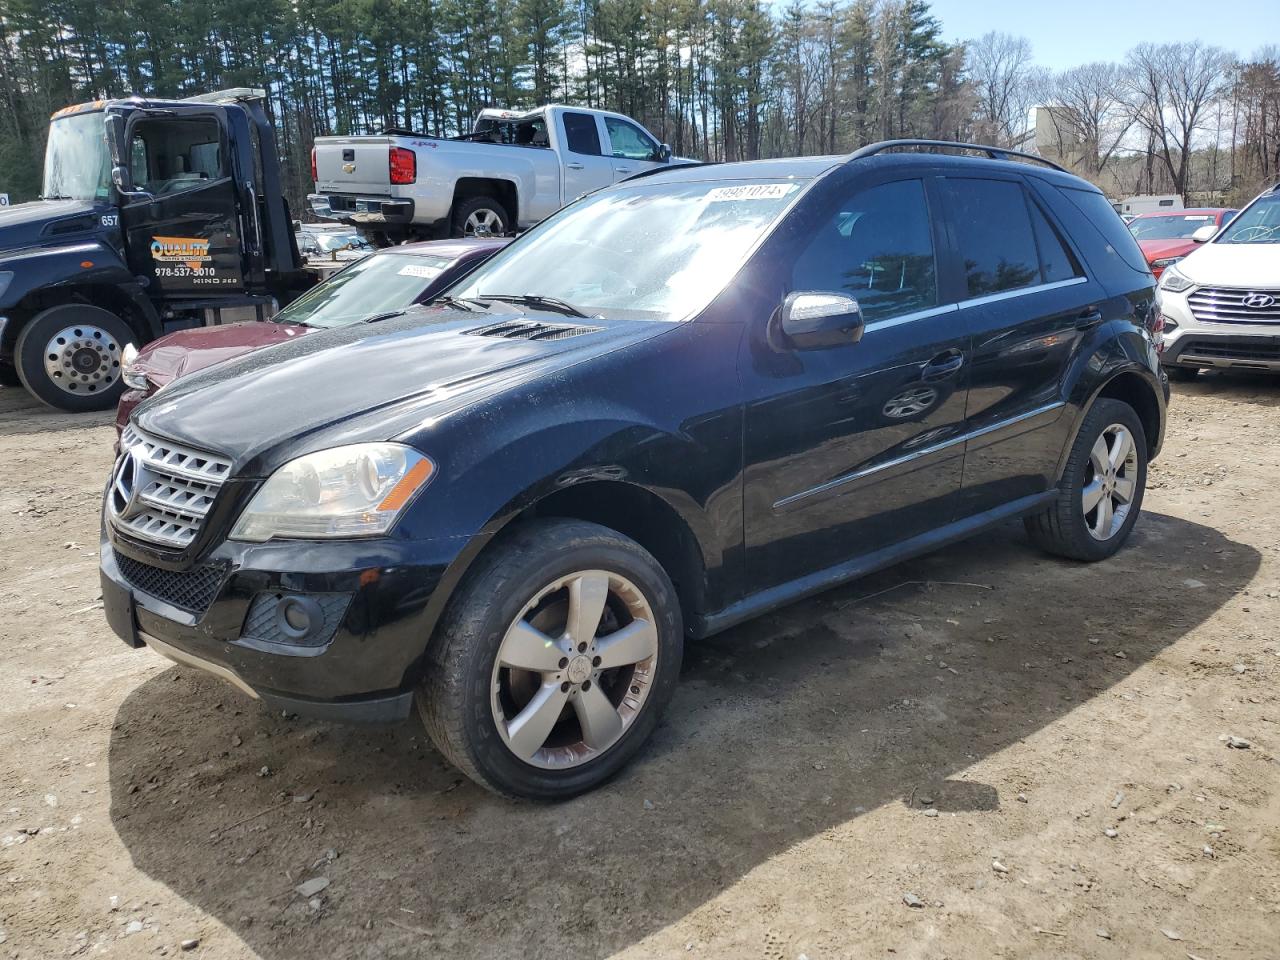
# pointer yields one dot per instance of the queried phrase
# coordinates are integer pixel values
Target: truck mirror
(664, 153)
(120, 177)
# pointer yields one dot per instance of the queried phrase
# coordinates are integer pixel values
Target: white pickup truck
(512, 170)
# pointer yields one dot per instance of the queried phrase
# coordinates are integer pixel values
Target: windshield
(76, 163)
(655, 251)
(374, 285)
(1179, 227)
(1257, 223)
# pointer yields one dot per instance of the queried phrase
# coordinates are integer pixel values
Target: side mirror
(664, 153)
(813, 320)
(1205, 233)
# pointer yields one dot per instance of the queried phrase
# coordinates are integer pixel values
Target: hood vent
(70, 225)
(531, 330)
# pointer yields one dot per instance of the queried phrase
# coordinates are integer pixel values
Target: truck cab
(155, 215)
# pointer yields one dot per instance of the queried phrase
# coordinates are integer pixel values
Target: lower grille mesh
(190, 590)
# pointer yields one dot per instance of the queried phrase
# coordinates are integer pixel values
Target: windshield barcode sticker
(1196, 217)
(751, 191)
(418, 270)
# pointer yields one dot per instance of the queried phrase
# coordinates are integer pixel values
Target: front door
(633, 150)
(586, 168)
(854, 448)
(186, 237)
(1029, 305)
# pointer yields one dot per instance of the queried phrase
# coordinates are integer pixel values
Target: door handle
(622, 169)
(574, 166)
(942, 366)
(1088, 320)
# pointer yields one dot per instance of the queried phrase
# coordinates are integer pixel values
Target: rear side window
(993, 229)
(581, 134)
(878, 249)
(1104, 218)
(1056, 261)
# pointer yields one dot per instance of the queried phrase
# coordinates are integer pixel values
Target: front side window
(76, 163)
(374, 285)
(628, 141)
(581, 134)
(878, 249)
(170, 156)
(652, 251)
(1257, 223)
(994, 234)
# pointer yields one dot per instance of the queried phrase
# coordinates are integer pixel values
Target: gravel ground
(983, 753)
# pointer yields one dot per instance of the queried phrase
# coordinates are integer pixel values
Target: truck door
(586, 168)
(181, 225)
(632, 149)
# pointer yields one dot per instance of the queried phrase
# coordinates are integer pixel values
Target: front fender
(49, 268)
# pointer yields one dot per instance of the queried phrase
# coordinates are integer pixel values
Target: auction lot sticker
(751, 191)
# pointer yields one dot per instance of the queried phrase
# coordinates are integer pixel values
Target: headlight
(354, 491)
(131, 377)
(1165, 262)
(1174, 282)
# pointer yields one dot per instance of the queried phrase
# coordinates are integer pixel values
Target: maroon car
(384, 282)
(1165, 236)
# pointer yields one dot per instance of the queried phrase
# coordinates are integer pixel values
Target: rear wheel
(1102, 486)
(69, 356)
(554, 662)
(480, 217)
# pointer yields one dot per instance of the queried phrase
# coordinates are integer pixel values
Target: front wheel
(69, 356)
(1101, 491)
(552, 665)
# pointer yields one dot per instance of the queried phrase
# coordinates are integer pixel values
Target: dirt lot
(783, 809)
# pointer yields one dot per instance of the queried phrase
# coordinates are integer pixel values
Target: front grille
(190, 590)
(1230, 348)
(1224, 305)
(161, 491)
(530, 330)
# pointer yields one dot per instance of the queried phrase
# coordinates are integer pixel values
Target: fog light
(297, 616)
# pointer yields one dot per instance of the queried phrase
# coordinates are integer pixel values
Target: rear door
(186, 238)
(586, 167)
(1028, 306)
(633, 150)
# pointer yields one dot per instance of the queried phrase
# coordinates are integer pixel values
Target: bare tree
(1174, 86)
(999, 67)
(1089, 114)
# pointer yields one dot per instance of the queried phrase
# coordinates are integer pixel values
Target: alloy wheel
(574, 669)
(1109, 482)
(82, 359)
(482, 223)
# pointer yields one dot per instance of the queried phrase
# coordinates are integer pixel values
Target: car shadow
(880, 692)
(1236, 386)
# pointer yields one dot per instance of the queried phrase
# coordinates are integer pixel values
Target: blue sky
(1065, 34)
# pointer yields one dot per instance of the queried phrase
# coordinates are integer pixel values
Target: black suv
(675, 404)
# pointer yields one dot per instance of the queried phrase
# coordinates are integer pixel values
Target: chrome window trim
(1021, 292)
(909, 317)
(787, 502)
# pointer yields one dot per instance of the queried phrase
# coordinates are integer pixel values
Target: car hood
(28, 224)
(365, 382)
(184, 352)
(1234, 265)
(1160, 249)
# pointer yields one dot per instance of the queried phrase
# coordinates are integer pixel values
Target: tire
(476, 211)
(1182, 374)
(68, 338)
(469, 700)
(1064, 528)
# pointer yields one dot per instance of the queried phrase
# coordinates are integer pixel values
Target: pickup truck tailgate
(353, 164)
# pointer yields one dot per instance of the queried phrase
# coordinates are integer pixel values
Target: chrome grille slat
(178, 487)
(1226, 305)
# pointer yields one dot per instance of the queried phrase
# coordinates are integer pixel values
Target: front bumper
(377, 596)
(361, 211)
(1197, 343)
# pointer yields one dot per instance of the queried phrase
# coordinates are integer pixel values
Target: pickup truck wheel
(1102, 486)
(554, 661)
(479, 217)
(69, 356)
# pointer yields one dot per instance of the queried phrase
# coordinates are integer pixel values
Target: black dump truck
(155, 215)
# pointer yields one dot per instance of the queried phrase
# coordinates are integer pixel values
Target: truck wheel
(480, 217)
(1100, 495)
(554, 661)
(69, 356)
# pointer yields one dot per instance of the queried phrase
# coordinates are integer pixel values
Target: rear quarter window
(1099, 212)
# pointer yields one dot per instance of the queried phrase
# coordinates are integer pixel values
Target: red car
(1165, 237)
(386, 281)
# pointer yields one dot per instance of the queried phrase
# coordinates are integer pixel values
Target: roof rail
(995, 153)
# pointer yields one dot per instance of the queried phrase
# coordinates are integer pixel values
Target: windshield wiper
(537, 302)
(383, 316)
(55, 196)
(466, 303)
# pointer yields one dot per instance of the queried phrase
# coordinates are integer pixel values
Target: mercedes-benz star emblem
(128, 480)
(1259, 301)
